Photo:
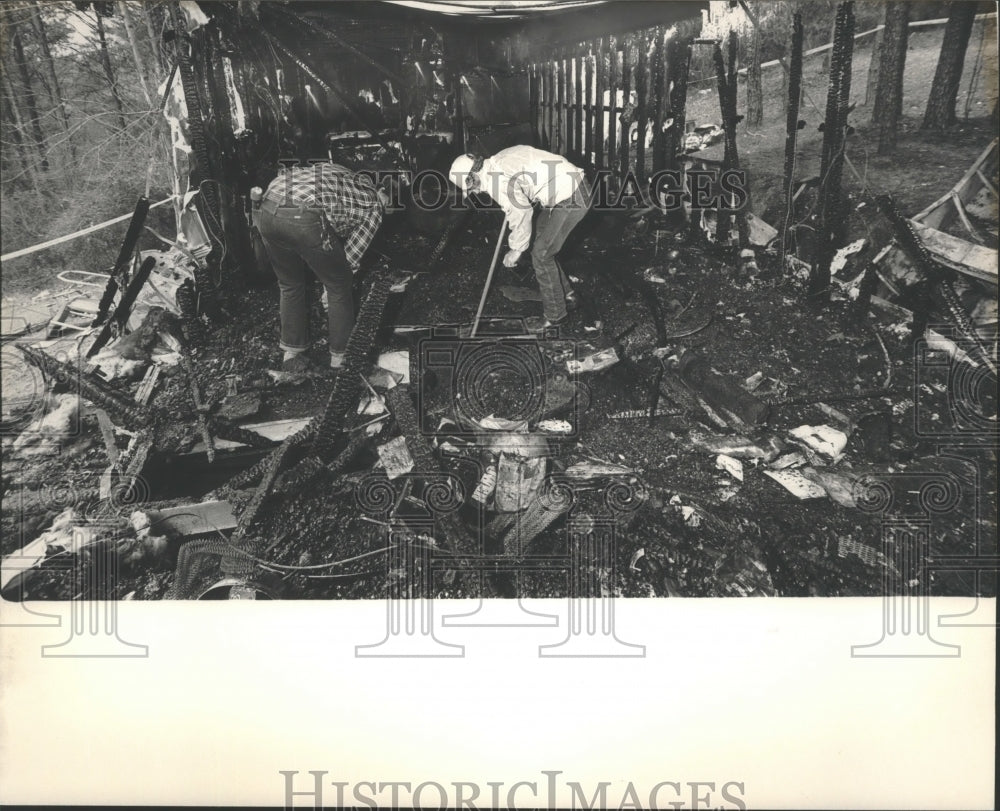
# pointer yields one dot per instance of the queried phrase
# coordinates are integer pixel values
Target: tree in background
(755, 91)
(54, 85)
(940, 113)
(891, 55)
(85, 106)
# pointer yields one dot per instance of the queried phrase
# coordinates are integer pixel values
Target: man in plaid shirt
(318, 218)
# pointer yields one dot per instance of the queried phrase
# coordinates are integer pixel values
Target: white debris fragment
(822, 439)
(796, 484)
(45, 434)
(555, 426)
(636, 556)
(591, 470)
(789, 460)
(690, 516)
(486, 485)
(760, 232)
(395, 457)
(734, 467)
(753, 382)
(594, 363)
(397, 362)
(841, 256)
(494, 423)
(372, 405)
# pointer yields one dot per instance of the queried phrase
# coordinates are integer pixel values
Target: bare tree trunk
(38, 23)
(873, 67)
(154, 41)
(19, 133)
(755, 91)
(108, 72)
(940, 112)
(29, 98)
(828, 54)
(139, 67)
(888, 105)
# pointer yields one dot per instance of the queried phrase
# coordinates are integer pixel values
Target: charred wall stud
(833, 212)
(791, 127)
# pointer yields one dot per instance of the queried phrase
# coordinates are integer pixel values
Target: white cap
(460, 169)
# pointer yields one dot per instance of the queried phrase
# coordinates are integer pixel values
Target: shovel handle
(489, 278)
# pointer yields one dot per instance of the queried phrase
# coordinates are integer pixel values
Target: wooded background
(81, 134)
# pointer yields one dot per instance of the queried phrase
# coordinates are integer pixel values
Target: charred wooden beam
(600, 85)
(726, 78)
(641, 106)
(125, 252)
(187, 302)
(533, 108)
(678, 70)
(614, 72)
(200, 408)
(719, 391)
(324, 431)
(626, 119)
(224, 429)
(124, 308)
(125, 411)
(347, 387)
(589, 105)
(792, 125)
(832, 209)
(659, 99)
(575, 142)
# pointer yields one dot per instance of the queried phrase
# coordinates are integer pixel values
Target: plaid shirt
(349, 201)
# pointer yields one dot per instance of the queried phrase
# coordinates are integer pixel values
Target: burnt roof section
(391, 25)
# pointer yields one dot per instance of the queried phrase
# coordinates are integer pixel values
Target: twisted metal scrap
(936, 274)
(235, 562)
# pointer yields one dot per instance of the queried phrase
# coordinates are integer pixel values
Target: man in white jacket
(519, 178)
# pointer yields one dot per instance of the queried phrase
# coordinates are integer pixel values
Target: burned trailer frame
(275, 62)
(356, 46)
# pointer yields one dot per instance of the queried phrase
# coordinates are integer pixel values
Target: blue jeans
(553, 226)
(299, 240)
